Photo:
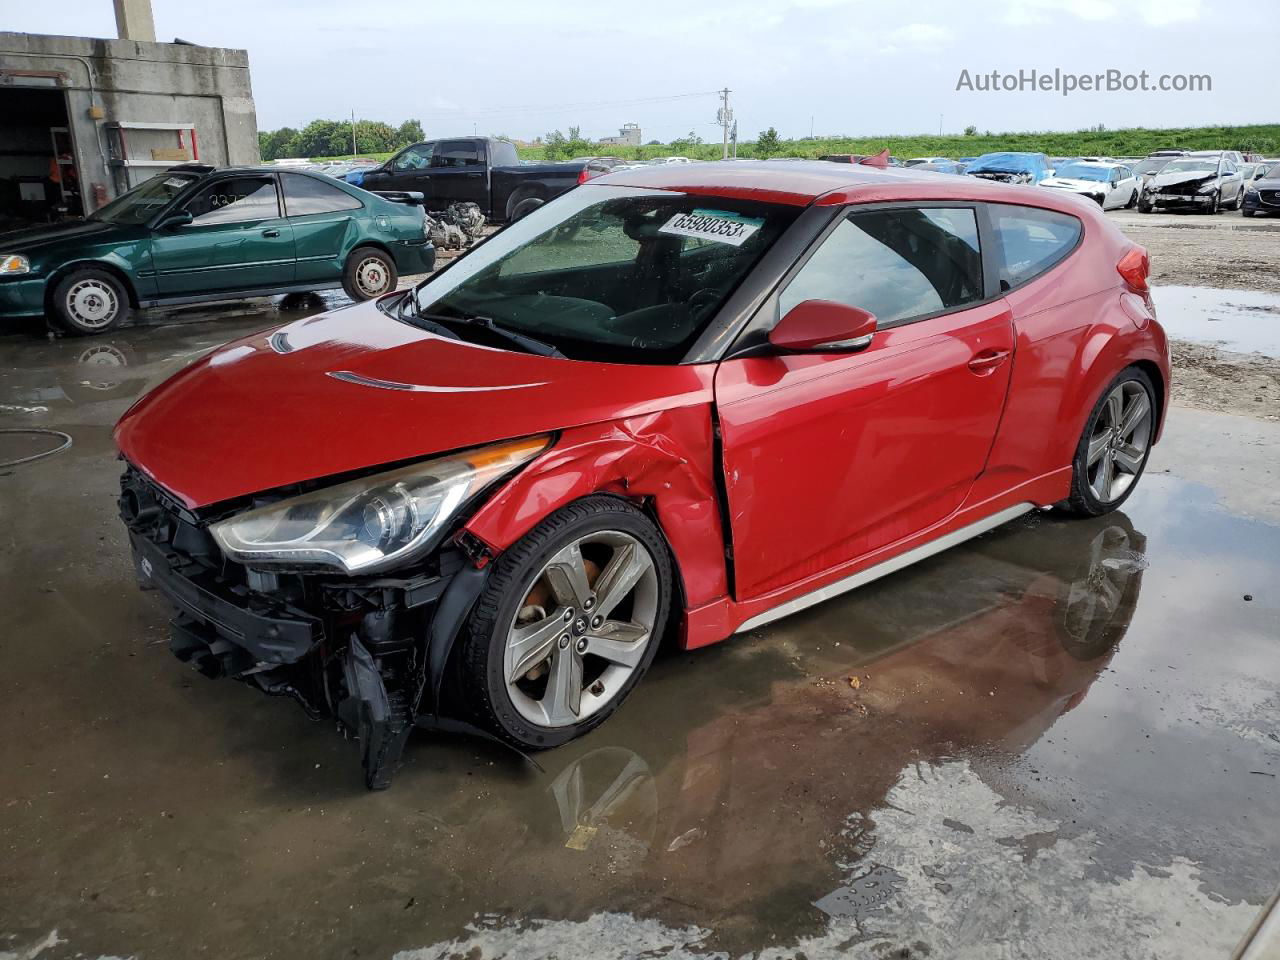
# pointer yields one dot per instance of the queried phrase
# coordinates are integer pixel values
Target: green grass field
(1136, 142)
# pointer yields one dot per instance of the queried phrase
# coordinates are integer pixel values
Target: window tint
(457, 153)
(235, 199)
(899, 264)
(1029, 241)
(417, 157)
(304, 195)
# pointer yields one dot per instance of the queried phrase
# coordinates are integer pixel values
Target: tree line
(332, 138)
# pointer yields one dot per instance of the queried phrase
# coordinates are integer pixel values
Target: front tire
(569, 621)
(1114, 447)
(369, 273)
(89, 302)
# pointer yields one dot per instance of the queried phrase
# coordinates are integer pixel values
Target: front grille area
(1270, 197)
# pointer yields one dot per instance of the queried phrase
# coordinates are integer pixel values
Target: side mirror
(823, 326)
(179, 219)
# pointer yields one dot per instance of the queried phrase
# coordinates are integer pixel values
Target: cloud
(920, 36)
(1029, 12)
(1161, 12)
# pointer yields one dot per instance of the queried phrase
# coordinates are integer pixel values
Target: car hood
(1181, 179)
(36, 238)
(354, 389)
(1266, 183)
(1071, 183)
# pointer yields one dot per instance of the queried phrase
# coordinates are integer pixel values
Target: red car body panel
(830, 456)
(666, 459)
(831, 463)
(266, 411)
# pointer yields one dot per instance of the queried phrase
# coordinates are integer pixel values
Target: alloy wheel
(582, 630)
(92, 304)
(1119, 442)
(372, 276)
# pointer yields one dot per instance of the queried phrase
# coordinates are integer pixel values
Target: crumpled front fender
(664, 460)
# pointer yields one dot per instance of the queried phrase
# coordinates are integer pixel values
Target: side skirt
(216, 295)
(892, 565)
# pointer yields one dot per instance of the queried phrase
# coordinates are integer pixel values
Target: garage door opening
(39, 178)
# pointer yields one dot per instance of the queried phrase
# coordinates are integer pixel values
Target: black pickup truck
(477, 170)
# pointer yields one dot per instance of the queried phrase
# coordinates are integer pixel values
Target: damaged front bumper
(368, 652)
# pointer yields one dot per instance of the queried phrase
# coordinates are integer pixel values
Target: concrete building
(84, 119)
(628, 136)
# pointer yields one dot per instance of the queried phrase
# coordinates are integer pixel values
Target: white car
(1110, 185)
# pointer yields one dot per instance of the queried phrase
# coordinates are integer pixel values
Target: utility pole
(354, 149)
(724, 117)
(940, 124)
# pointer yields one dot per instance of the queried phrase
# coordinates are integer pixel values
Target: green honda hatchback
(195, 233)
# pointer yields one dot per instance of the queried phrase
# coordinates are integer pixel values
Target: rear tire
(369, 273)
(1115, 445)
(524, 208)
(89, 302)
(533, 634)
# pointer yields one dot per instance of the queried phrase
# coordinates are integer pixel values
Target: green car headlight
(373, 523)
(13, 263)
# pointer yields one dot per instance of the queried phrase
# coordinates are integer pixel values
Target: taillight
(1135, 267)
(585, 175)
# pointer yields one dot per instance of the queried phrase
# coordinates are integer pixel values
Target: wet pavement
(1061, 740)
(1244, 321)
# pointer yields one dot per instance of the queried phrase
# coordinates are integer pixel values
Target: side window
(304, 195)
(504, 154)
(1029, 241)
(899, 264)
(457, 153)
(417, 157)
(234, 199)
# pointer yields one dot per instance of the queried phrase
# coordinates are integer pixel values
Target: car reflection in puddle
(726, 792)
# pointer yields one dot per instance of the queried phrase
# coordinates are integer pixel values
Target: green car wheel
(88, 302)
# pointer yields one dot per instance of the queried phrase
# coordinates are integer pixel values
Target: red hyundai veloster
(684, 400)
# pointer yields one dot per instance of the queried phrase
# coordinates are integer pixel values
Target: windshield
(1005, 163)
(1081, 171)
(615, 274)
(145, 200)
(1192, 165)
(1151, 165)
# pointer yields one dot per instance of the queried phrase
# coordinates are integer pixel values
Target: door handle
(987, 361)
(271, 233)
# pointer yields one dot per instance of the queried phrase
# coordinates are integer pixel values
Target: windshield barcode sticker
(176, 182)
(717, 225)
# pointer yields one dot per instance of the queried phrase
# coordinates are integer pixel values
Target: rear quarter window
(1030, 241)
(304, 195)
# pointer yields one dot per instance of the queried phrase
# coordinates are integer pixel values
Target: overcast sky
(862, 67)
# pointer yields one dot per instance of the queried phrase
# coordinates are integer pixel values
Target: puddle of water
(1245, 321)
(1061, 741)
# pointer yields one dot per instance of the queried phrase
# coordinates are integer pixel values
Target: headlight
(13, 263)
(373, 523)
(1208, 188)
(1250, 191)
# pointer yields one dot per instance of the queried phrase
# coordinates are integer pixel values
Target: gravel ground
(1228, 252)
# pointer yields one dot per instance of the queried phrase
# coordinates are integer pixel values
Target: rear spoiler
(411, 197)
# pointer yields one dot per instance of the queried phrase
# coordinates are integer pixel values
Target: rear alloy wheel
(570, 620)
(369, 273)
(88, 302)
(1114, 448)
